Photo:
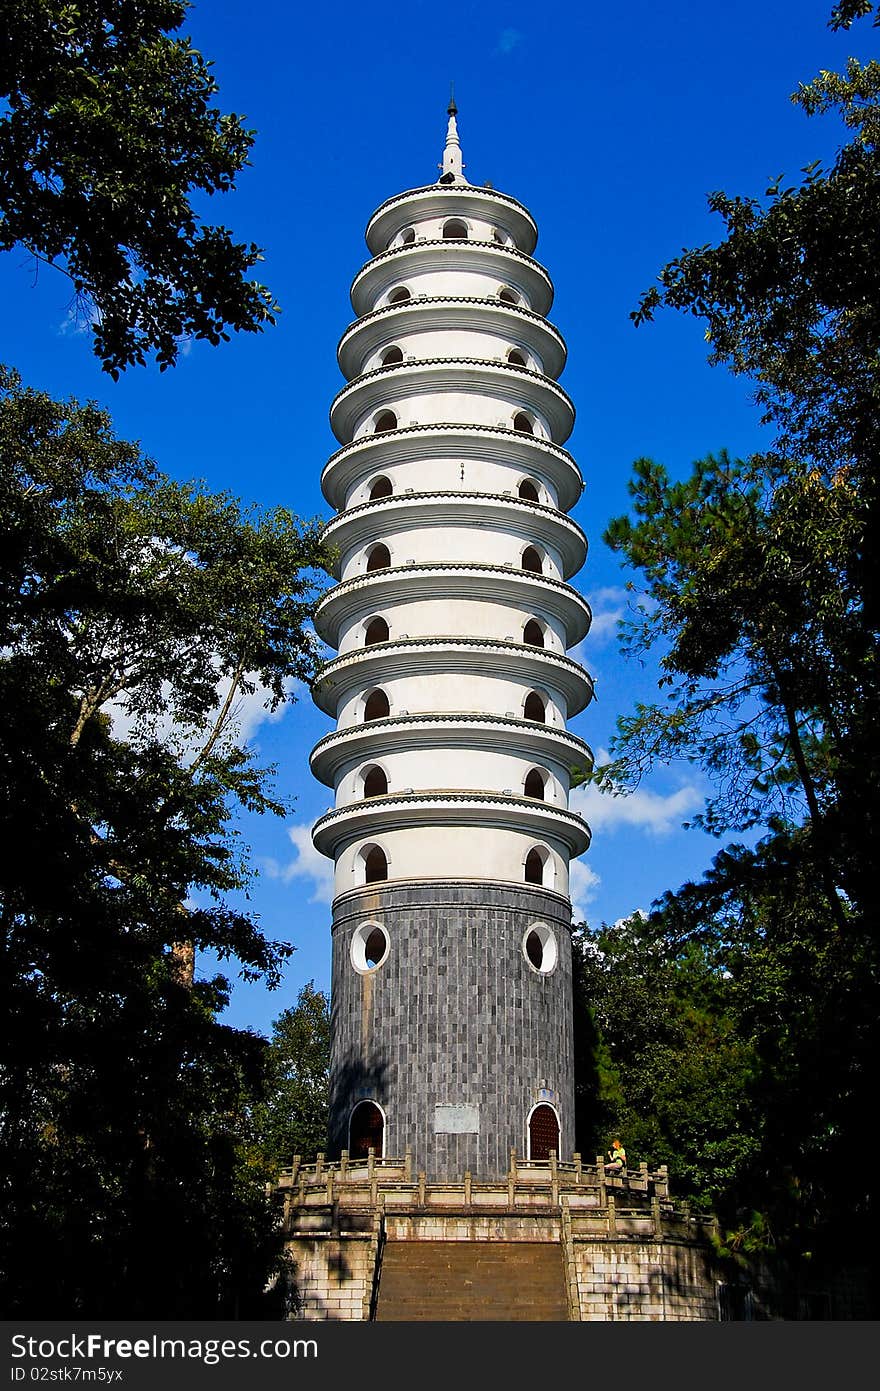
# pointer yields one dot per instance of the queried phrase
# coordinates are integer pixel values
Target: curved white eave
(417, 443)
(450, 200)
(337, 829)
(457, 313)
(429, 255)
(519, 389)
(357, 526)
(443, 731)
(369, 666)
(497, 584)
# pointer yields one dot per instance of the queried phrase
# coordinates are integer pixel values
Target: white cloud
(508, 40)
(247, 714)
(609, 607)
(309, 865)
(582, 885)
(654, 812)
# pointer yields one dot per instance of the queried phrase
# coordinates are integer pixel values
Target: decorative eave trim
(444, 731)
(407, 374)
(473, 441)
(412, 582)
(444, 508)
(340, 827)
(445, 192)
(521, 271)
(367, 666)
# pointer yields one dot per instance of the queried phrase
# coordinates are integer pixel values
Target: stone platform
(370, 1239)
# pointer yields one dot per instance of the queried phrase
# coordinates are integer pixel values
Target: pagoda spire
(452, 163)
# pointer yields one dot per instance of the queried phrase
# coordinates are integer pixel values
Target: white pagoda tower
(450, 760)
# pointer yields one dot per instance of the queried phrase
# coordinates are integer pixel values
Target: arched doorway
(366, 1130)
(543, 1132)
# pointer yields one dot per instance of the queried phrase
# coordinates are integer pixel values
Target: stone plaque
(456, 1120)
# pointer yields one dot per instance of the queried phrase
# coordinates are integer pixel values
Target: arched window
(366, 1131)
(534, 867)
(380, 487)
(375, 783)
(392, 355)
(499, 237)
(534, 708)
(543, 1132)
(528, 492)
(522, 423)
(376, 631)
(376, 706)
(407, 235)
(387, 420)
(516, 358)
(399, 296)
(507, 296)
(533, 633)
(375, 865)
(531, 560)
(454, 230)
(379, 557)
(534, 785)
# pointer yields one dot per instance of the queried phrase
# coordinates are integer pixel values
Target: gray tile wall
(455, 1016)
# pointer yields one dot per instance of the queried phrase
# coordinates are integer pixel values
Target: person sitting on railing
(616, 1162)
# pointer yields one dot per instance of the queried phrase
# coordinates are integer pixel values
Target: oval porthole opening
(380, 487)
(540, 948)
(369, 947)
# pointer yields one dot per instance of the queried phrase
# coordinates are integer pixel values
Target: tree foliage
(108, 137)
(293, 1116)
(134, 613)
(741, 1016)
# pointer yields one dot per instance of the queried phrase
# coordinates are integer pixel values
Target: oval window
(369, 947)
(540, 948)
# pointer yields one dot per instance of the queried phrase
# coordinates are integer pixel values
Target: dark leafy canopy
(107, 132)
(759, 988)
(741, 1026)
(131, 1183)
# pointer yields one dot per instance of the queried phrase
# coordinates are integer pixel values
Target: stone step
(472, 1281)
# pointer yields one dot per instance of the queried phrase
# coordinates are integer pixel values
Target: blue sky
(611, 124)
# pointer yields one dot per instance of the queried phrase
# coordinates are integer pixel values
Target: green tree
(293, 1118)
(134, 614)
(107, 135)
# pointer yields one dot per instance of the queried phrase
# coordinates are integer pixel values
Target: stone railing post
(343, 1163)
(319, 1164)
(467, 1187)
(578, 1167)
(422, 1186)
(407, 1165)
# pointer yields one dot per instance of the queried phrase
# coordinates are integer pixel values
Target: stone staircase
(472, 1281)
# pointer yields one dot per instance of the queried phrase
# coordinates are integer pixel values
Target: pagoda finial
(452, 162)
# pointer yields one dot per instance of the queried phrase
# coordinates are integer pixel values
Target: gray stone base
(455, 1036)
